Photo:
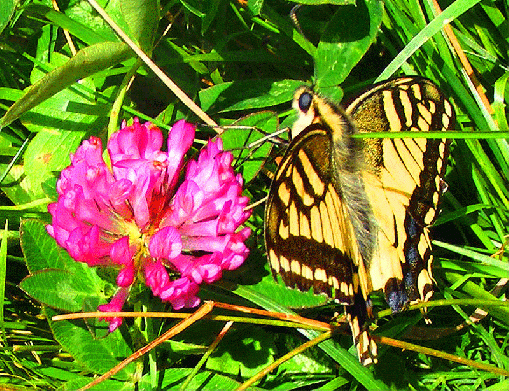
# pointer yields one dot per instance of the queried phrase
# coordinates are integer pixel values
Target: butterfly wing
(310, 234)
(403, 182)
(306, 231)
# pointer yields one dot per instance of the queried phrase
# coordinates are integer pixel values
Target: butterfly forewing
(405, 181)
(347, 217)
(306, 237)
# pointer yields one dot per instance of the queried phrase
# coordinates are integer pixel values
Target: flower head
(139, 217)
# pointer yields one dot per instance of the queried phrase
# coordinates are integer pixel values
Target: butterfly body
(347, 217)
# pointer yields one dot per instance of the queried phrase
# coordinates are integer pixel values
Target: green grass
(235, 58)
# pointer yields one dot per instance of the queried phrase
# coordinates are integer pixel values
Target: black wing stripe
(390, 111)
(426, 114)
(327, 223)
(283, 193)
(332, 200)
(304, 226)
(313, 180)
(316, 224)
(293, 219)
(396, 169)
(406, 108)
(408, 160)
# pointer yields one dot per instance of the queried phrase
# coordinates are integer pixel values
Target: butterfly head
(304, 103)
(313, 109)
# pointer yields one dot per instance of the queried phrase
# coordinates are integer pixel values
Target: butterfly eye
(305, 101)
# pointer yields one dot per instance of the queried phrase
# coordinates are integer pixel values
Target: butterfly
(348, 216)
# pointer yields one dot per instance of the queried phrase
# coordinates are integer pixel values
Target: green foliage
(241, 61)
(345, 39)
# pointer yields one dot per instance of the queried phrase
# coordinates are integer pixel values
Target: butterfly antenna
(272, 137)
(255, 145)
(242, 159)
(293, 16)
(252, 148)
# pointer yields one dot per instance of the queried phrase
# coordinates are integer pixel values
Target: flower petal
(165, 243)
(115, 305)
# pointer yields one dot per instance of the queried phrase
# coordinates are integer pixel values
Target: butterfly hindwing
(347, 217)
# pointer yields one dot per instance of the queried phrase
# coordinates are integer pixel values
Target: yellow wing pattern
(347, 217)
